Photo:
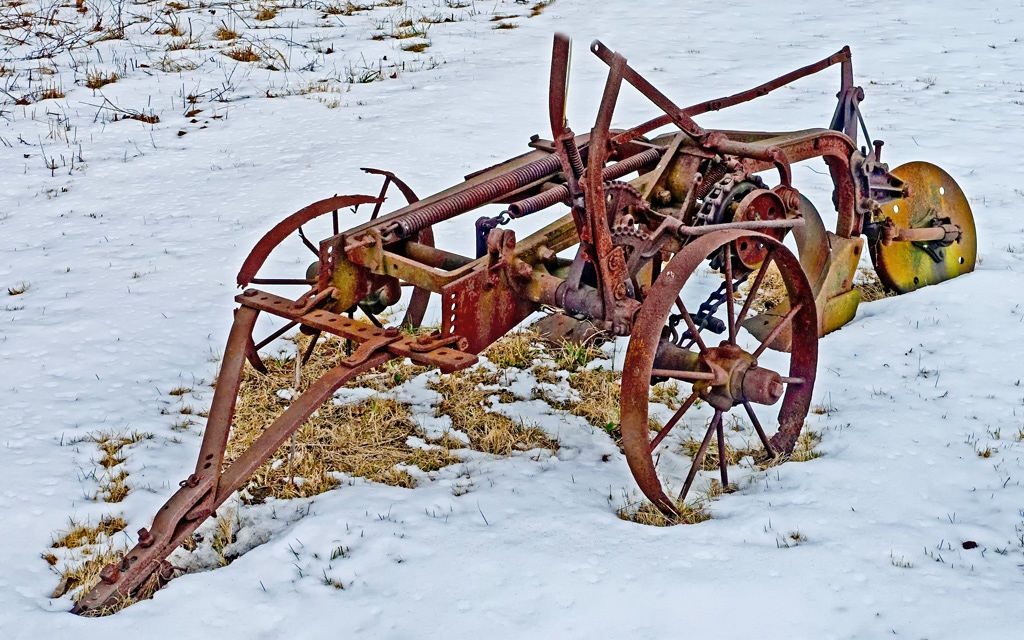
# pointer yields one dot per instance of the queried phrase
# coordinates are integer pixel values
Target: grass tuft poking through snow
(87, 549)
(368, 438)
(641, 511)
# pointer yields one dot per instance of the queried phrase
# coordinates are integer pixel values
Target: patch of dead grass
(347, 9)
(265, 13)
(243, 53)
(79, 534)
(97, 79)
(539, 8)
(224, 33)
(365, 439)
(642, 511)
(79, 576)
(600, 393)
(870, 287)
(770, 294)
(517, 349)
(468, 407)
(92, 548)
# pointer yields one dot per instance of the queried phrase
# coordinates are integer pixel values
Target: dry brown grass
(517, 349)
(539, 8)
(600, 393)
(870, 287)
(265, 13)
(81, 534)
(806, 446)
(669, 393)
(641, 511)
(224, 33)
(506, 25)
(172, 27)
(82, 574)
(113, 485)
(573, 357)
(388, 376)
(417, 47)
(365, 439)
(771, 293)
(368, 438)
(94, 548)
(168, 64)
(804, 450)
(180, 44)
(468, 407)
(114, 488)
(347, 9)
(243, 53)
(96, 79)
(48, 92)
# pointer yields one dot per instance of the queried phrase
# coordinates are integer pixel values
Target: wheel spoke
(682, 375)
(729, 302)
(786, 320)
(757, 427)
(312, 346)
(698, 459)
(274, 336)
(674, 420)
(723, 464)
(690, 325)
(756, 287)
(309, 245)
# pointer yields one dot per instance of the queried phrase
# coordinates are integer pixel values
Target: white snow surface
(131, 256)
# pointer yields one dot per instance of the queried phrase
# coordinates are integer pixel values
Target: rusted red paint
(696, 198)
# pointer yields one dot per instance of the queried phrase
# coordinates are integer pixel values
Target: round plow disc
(934, 195)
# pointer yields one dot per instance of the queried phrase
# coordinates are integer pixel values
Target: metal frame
(625, 234)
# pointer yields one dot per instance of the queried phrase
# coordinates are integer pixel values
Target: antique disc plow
(645, 213)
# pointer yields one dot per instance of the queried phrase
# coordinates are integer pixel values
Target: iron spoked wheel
(728, 376)
(293, 225)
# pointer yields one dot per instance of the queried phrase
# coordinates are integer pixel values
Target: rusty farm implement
(649, 218)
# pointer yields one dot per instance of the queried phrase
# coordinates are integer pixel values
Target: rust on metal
(636, 218)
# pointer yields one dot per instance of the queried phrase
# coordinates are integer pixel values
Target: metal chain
(705, 316)
(710, 213)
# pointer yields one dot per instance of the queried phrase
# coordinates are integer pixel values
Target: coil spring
(475, 196)
(551, 197)
(714, 173)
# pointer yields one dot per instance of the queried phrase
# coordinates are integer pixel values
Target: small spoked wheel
(388, 294)
(668, 342)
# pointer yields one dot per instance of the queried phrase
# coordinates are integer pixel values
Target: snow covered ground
(128, 261)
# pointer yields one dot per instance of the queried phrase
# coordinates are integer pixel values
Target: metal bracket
(372, 346)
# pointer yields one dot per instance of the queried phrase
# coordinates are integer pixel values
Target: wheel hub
(737, 379)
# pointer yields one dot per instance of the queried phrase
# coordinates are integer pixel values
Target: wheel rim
(418, 300)
(933, 194)
(800, 322)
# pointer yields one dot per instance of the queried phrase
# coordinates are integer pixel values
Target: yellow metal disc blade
(905, 266)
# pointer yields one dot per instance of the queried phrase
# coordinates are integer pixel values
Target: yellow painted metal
(933, 195)
(830, 262)
(837, 300)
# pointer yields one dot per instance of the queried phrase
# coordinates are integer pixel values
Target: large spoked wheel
(727, 376)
